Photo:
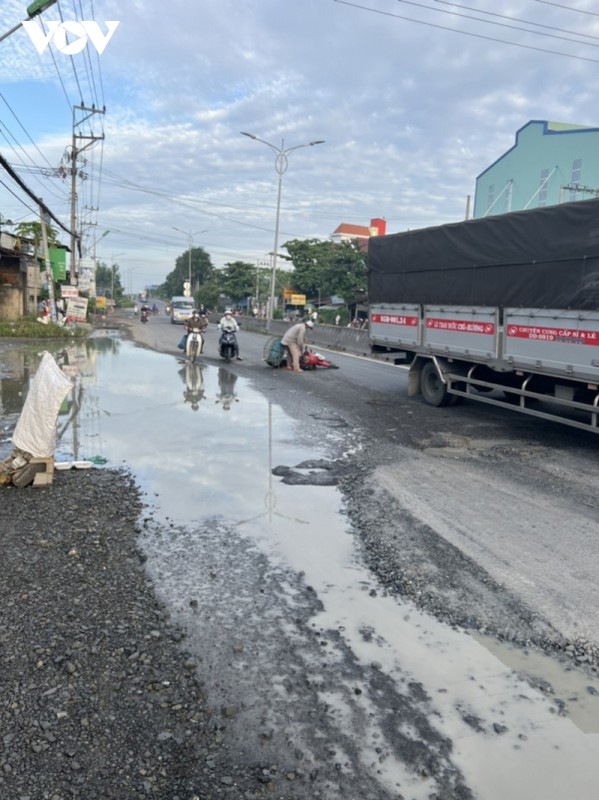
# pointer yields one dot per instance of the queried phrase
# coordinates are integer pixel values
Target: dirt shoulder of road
(99, 697)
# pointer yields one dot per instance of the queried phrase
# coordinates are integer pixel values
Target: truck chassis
(540, 362)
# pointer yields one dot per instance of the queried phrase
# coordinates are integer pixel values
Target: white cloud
(411, 113)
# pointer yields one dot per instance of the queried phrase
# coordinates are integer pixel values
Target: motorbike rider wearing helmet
(196, 320)
(229, 323)
(293, 339)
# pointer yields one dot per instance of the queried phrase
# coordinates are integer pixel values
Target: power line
(468, 33)
(517, 19)
(24, 130)
(569, 8)
(493, 22)
(4, 163)
(72, 60)
(16, 196)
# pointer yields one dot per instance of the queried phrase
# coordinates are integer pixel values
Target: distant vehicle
(181, 308)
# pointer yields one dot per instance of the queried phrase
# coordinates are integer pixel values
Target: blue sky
(413, 100)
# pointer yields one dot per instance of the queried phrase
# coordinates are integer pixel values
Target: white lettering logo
(57, 31)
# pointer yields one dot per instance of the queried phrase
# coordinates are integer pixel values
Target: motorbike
(194, 344)
(194, 385)
(311, 360)
(227, 345)
(144, 315)
(276, 355)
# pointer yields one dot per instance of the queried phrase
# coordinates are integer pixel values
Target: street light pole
(281, 164)
(190, 236)
(35, 8)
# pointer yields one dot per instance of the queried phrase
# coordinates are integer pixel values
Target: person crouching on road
(293, 339)
(229, 323)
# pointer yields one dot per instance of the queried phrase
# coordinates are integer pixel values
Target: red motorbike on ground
(276, 355)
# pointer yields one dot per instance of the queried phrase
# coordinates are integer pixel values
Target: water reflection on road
(202, 443)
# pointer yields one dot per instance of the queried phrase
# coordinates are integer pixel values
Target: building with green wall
(550, 163)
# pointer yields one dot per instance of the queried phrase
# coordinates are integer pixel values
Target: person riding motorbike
(229, 323)
(196, 320)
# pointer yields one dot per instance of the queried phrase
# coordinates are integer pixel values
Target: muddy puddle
(232, 548)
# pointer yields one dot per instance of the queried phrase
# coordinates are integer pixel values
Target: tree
(310, 259)
(237, 280)
(33, 231)
(346, 275)
(209, 293)
(107, 279)
(327, 268)
(201, 272)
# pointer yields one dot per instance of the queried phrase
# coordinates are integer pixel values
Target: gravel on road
(98, 697)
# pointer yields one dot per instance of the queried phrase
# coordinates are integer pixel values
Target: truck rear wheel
(433, 389)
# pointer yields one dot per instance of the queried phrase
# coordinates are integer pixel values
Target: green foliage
(33, 230)
(209, 293)
(346, 274)
(310, 259)
(328, 316)
(107, 278)
(237, 280)
(327, 268)
(30, 328)
(201, 272)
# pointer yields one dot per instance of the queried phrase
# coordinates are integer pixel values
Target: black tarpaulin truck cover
(542, 258)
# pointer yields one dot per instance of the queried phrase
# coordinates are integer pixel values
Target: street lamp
(190, 245)
(281, 164)
(33, 9)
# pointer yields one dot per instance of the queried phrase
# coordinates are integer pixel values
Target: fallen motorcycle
(311, 360)
(276, 355)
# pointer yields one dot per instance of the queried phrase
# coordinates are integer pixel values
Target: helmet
(228, 311)
(195, 313)
(308, 323)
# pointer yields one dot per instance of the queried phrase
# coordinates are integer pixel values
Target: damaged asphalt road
(252, 678)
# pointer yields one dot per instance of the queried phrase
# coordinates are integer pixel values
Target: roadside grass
(30, 328)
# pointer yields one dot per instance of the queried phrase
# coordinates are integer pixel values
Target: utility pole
(80, 143)
(48, 265)
(264, 265)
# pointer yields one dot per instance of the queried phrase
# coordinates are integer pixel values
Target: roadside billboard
(77, 309)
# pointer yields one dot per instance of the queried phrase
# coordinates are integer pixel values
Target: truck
(501, 309)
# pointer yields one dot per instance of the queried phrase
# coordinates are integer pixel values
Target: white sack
(35, 431)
